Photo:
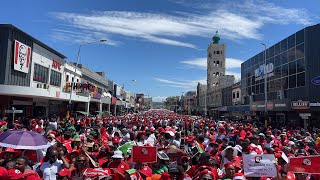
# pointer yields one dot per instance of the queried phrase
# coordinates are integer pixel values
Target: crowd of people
(188, 147)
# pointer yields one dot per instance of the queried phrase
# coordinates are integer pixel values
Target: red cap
(14, 174)
(64, 172)
(115, 140)
(190, 139)
(147, 171)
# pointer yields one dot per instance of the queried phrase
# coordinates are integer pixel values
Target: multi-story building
(201, 98)
(292, 74)
(189, 102)
(216, 77)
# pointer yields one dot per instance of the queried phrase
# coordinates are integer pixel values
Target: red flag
(147, 154)
(305, 164)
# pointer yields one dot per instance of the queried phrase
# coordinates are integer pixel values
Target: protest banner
(259, 165)
(305, 164)
(144, 154)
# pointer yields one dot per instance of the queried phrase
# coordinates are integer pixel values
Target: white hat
(117, 155)
(170, 133)
(261, 134)
(235, 152)
(238, 148)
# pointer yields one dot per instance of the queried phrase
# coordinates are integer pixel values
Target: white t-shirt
(50, 171)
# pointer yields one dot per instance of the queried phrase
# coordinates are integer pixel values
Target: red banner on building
(305, 164)
(113, 100)
(144, 154)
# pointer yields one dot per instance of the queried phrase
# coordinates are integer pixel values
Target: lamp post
(77, 62)
(265, 85)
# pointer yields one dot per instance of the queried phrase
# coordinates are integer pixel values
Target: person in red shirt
(28, 174)
(118, 166)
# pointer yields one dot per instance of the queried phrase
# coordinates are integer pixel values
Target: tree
(171, 102)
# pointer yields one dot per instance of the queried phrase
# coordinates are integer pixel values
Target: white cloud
(234, 21)
(159, 98)
(185, 84)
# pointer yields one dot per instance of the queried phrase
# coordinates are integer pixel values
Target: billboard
(21, 58)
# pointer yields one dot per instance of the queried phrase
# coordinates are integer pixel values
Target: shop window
(284, 83)
(300, 51)
(292, 68)
(292, 81)
(291, 41)
(55, 78)
(301, 79)
(300, 65)
(284, 70)
(284, 57)
(291, 55)
(284, 45)
(300, 37)
(40, 73)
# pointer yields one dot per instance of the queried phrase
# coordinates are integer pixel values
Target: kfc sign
(21, 58)
(56, 65)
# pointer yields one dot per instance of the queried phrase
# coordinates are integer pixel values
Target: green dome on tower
(216, 38)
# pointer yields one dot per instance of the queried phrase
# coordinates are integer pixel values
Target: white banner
(22, 55)
(261, 165)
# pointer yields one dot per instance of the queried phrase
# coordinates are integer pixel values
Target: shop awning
(106, 100)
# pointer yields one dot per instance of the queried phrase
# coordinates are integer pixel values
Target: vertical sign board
(21, 58)
(259, 165)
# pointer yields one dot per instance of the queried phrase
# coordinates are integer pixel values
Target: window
(300, 51)
(284, 57)
(67, 78)
(72, 79)
(238, 94)
(300, 65)
(209, 55)
(292, 68)
(233, 95)
(262, 88)
(271, 52)
(221, 52)
(277, 72)
(277, 61)
(291, 54)
(40, 73)
(257, 89)
(291, 41)
(277, 49)
(284, 45)
(301, 79)
(284, 83)
(55, 78)
(218, 52)
(284, 70)
(292, 81)
(300, 37)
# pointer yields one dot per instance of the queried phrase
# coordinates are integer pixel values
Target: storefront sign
(264, 70)
(316, 81)
(56, 65)
(21, 59)
(300, 105)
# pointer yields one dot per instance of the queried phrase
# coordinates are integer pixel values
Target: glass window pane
(301, 79)
(291, 41)
(291, 54)
(272, 86)
(300, 51)
(284, 70)
(277, 49)
(257, 89)
(262, 88)
(292, 81)
(277, 84)
(284, 83)
(284, 57)
(292, 68)
(277, 72)
(277, 61)
(271, 51)
(300, 37)
(253, 89)
(300, 65)
(284, 45)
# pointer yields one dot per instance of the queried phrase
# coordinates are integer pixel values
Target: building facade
(202, 99)
(292, 71)
(216, 77)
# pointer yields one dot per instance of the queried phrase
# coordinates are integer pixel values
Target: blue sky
(161, 44)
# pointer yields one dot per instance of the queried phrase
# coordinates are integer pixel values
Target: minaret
(216, 62)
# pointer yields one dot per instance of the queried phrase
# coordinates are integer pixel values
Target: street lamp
(77, 62)
(265, 84)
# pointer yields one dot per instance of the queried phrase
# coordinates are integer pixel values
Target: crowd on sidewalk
(188, 147)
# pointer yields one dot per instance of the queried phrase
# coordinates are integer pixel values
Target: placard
(262, 165)
(305, 164)
(144, 154)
